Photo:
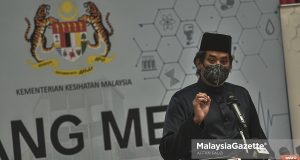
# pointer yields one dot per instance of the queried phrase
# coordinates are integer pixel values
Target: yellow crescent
(68, 18)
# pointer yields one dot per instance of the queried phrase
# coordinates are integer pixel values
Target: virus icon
(167, 22)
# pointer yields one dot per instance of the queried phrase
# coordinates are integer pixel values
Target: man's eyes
(214, 60)
(211, 60)
(224, 62)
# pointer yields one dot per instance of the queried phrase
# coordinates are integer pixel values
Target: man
(200, 111)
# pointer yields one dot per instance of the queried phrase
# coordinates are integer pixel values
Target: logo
(70, 41)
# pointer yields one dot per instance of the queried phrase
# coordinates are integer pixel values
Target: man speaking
(210, 108)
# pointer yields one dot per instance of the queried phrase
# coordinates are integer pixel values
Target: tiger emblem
(37, 38)
(94, 18)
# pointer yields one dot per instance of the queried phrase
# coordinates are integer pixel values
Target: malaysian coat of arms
(69, 37)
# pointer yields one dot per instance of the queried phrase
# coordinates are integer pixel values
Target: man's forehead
(217, 54)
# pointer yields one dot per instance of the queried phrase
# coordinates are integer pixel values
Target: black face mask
(215, 74)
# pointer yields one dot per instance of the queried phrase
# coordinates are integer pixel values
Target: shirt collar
(210, 89)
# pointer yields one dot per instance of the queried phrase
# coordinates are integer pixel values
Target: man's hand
(201, 104)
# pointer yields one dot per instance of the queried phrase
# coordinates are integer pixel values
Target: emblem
(70, 37)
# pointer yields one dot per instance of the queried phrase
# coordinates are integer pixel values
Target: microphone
(234, 105)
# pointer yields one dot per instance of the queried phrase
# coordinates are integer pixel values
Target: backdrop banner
(92, 79)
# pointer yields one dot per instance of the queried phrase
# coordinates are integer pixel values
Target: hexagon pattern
(169, 45)
(206, 2)
(232, 27)
(172, 76)
(151, 64)
(227, 8)
(269, 26)
(189, 34)
(238, 57)
(147, 37)
(187, 57)
(167, 22)
(208, 18)
(180, 7)
(249, 22)
(267, 7)
(250, 41)
(248, 15)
